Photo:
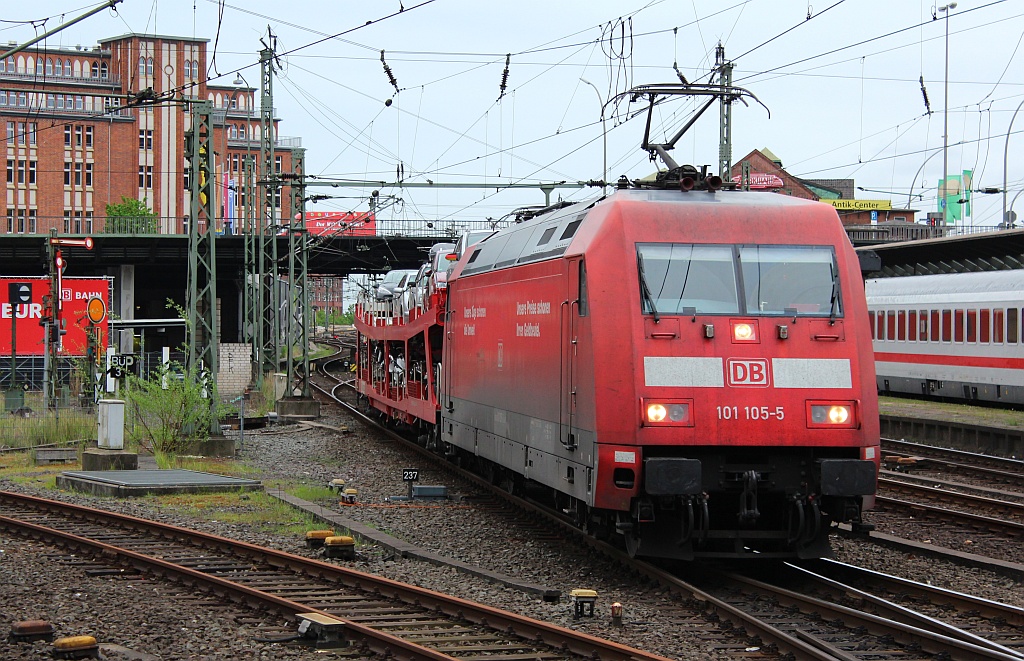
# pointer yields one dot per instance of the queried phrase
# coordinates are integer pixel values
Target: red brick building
(75, 141)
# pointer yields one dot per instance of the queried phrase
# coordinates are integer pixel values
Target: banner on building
(343, 223)
(955, 196)
(75, 294)
(860, 205)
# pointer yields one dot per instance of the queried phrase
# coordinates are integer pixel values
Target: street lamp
(1006, 151)
(946, 9)
(604, 134)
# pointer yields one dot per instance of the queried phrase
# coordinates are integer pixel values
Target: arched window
(233, 132)
(218, 101)
(195, 68)
(188, 68)
(95, 70)
(241, 131)
(142, 66)
(78, 69)
(39, 67)
(149, 67)
(67, 68)
(103, 70)
(59, 70)
(49, 66)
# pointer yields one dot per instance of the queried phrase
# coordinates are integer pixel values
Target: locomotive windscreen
(684, 278)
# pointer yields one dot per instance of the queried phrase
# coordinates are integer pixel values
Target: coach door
(569, 323)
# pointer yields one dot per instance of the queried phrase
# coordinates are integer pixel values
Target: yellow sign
(96, 310)
(860, 205)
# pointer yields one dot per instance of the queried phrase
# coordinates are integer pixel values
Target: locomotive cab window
(795, 281)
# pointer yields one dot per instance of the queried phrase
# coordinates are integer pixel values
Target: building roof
(162, 37)
(844, 187)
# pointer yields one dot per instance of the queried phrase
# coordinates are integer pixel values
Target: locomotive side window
(791, 280)
(682, 276)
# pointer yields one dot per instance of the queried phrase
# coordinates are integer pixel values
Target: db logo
(65, 294)
(750, 373)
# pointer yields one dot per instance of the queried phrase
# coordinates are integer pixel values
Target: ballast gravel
(146, 618)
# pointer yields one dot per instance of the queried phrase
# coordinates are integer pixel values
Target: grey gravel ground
(152, 618)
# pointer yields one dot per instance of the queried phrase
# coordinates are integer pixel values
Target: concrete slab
(125, 483)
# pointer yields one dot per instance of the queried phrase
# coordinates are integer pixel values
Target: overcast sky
(841, 80)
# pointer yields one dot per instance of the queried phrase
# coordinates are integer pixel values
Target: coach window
(871, 324)
(922, 325)
(947, 325)
(985, 326)
(1011, 325)
(934, 330)
(958, 326)
(998, 326)
(901, 323)
(912, 326)
(972, 326)
(890, 325)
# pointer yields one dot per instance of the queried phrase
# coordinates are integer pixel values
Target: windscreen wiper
(645, 291)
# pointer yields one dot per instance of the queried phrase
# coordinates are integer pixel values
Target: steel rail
(956, 498)
(528, 629)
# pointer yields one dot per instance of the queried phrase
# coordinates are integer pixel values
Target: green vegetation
(61, 428)
(168, 410)
(131, 217)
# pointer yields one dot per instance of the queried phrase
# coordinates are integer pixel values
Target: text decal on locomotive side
(529, 308)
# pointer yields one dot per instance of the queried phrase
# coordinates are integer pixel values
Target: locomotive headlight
(831, 414)
(666, 413)
(744, 331)
(656, 413)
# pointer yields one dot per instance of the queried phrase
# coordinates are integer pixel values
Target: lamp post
(946, 9)
(1006, 151)
(604, 134)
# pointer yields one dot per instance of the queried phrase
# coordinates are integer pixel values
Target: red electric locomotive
(677, 363)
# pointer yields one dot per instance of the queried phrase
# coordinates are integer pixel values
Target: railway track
(778, 619)
(988, 469)
(341, 605)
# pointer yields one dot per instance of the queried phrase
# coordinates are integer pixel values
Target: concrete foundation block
(302, 408)
(97, 459)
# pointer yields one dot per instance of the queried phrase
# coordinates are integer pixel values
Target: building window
(149, 67)
(145, 139)
(234, 103)
(21, 221)
(103, 70)
(10, 170)
(78, 174)
(51, 101)
(78, 103)
(67, 222)
(88, 175)
(49, 66)
(95, 70)
(3, 97)
(39, 67)
(195, 68)
(78, 136)
(145, 176)
(88, 136)
(32, 172)
(67, 135)
(67, 68)
(59, 69)
(67, 173)
(142, 66)
(32, 129)
(21, 172)
(88, 222)
(233, 132)
(10, 221)
(31, 221)
(78, 222)
(188, 68)
(22, 99)
(10, 133)
(60, 102)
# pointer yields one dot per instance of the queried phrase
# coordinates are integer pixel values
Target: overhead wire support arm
(62, 26)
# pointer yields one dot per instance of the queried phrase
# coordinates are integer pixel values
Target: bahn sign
(28, 310)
